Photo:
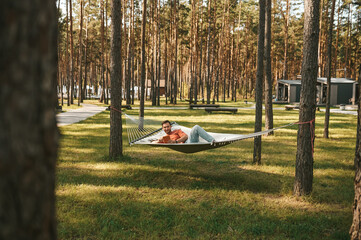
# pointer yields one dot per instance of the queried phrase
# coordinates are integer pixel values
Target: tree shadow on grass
(128, 214)
(174, 176)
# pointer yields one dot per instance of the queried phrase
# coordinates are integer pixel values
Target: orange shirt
(174, 135)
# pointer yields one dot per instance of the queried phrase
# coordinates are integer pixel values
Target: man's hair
(166, 121)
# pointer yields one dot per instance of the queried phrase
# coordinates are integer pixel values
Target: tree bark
(80, 81)
(208, 81)
(285, 58)
(106, 55)
(116, 144)
(102, 98)
(337, 38)
(85, 93)
(166, 68)
(304, 156)
(319, 56)
(329, 65)
(67, 54)
(259, 83)
(71, 54)
(130, 56)
(28, 131)
(159, 53)
(142, 79)
(355, 230)
(154, 51)
(175, 12)
(268, 69)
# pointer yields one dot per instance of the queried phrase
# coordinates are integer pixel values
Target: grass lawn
(156, 193)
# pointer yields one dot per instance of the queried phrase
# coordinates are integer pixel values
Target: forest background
(198, 50)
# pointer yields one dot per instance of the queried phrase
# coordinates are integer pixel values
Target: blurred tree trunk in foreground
(28, 132)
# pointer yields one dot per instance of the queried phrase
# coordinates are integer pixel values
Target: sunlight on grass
(156, 193)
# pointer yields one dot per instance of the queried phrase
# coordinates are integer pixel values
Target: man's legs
(197, 132)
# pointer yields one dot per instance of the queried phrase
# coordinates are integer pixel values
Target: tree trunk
(130, 56)
(133, 57)
(268, 70)
(166, 68)
(259, 83)
(175, 12)
(200, 58)
(142, 80)
(346, 44)
(116, 144)
(80, 81)
(28, 131)
(192, 54)
(337, 38)
(285, 63)
(247, 70)
(154, 58)
(329, 64)
(208, 83)
(355, 230)
(59, 72)
(102, 98)
(67, 54)
(304, 156)
(106, 55)
(159, 53)
(85, 93)
(71, 55)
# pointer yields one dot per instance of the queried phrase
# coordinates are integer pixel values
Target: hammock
(141, 131)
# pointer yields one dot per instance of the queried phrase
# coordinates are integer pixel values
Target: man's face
(167, 128)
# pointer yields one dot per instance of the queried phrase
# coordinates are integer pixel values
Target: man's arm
(182, 139)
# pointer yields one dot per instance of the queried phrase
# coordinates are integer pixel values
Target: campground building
(343, 91)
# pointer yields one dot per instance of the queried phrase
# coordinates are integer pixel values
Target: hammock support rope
(141, 131)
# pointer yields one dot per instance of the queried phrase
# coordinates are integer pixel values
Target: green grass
(156, 193)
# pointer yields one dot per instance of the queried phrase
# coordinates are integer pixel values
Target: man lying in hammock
(178, 136)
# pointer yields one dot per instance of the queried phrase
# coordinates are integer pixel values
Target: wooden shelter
(343, 91)
(288, 91)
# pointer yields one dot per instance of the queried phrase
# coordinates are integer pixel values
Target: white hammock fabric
(147, 135)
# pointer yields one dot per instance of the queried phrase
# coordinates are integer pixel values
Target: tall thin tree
(80, 54)
(329, 66)
(175, 12)
(71, 54)
(268, 69)
(67, 54)
(159, 53)
(259, 83)
(116, 143)
(208, 81)
(142, 78)
(285, 58)
(305, 140)
(130, 56)
(102, 69)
